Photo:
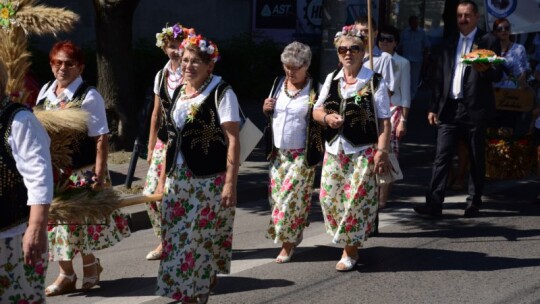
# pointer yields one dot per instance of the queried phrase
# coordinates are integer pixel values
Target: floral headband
(206, 46)
(175, 32)
(349, 30)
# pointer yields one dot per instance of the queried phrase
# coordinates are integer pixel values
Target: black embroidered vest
(314, 143)
(358, 112)
(201, 141)
(13, 193)
(165, 104)
(84, 148)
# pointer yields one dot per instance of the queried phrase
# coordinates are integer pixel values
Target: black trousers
(448, 135)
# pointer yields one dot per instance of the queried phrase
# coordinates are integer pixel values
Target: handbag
(249, 135)
(395, 172)
(392, 175)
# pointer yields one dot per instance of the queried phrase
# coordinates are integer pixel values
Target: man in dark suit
(463, 103)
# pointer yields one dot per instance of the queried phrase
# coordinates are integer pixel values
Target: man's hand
(481, 67)
(432, 119)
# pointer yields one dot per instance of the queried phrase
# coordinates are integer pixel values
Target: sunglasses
(503, 29)
(386, 38)
(354, 49)
(67, 63)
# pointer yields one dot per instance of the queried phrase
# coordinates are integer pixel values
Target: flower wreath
(7, 12)
(204, 45)
(350, 30)
(175, 32)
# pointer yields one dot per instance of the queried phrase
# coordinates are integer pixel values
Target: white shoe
(348, 262)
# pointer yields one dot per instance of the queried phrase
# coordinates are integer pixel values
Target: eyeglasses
(354, 49)
(67, 63)
(386, 38)
(503, 29)
(194, 62)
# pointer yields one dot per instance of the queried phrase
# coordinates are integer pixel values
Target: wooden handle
(138, 199)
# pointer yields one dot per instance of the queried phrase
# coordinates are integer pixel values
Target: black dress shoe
(472, 211)
(428, 210)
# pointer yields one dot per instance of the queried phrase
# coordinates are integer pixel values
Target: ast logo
(275, 14)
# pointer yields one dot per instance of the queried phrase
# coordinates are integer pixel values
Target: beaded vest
(165, 104)
(84, 147)
(13, 193)
(358, 112)
(314, 143)
(201, 141)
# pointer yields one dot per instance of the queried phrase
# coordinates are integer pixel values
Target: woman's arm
(154, 127)
(34, 242)
(231, 130)
(102, 151)
(383, 146)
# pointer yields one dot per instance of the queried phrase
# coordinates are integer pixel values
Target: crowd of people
(349, 126)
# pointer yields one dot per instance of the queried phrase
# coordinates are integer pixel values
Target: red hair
(68, 47)
(498, 22)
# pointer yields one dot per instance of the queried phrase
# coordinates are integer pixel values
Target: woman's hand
(228, 195)
(333, 120)
(401, 129)
(268, 105)
(382, 164)
(34, 242)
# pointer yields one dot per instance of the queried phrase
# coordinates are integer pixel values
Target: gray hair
(296, 54)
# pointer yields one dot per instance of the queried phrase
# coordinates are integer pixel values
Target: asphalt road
(491, 259)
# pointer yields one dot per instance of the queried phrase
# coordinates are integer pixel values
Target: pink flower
(348, 227)
(218, 181)
(95, 236)
(23, 301)
(90, 229)
(184, 267)
(178, 295)
(72, 227)
(276, 220)
(323, 193)
(362, 191)
(205, 211)
(179, 211)
(39, 269)
(203, 222)
(212, 215)
(190, 260)
(226, 244)
(275, 212)
(281, 215)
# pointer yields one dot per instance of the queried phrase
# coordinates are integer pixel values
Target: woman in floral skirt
(200, 195)
(296, 148)
(89, 167)
(166, 90)
(354, 106)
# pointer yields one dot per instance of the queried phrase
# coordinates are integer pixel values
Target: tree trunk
(114, 67)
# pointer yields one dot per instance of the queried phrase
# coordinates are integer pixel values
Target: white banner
(523, 15)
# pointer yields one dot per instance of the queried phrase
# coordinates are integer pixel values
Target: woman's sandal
(91, 281)
(62, 288)
(348, 262)
(154, 255)
(280, 259)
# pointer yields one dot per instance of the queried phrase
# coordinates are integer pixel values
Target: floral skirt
(196, 235)
(19, 282)
(290, 189)
(394, 120)
(150, 185)
(349, 196)
(68, 239)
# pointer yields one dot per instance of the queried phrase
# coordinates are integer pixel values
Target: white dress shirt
(93, 104)
(382, 64)
(30, 146)
(289, 121)
(402, 88)
(459, 67)
(382, 104)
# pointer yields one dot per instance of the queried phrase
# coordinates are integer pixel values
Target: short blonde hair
(357, 40)
(296, 54)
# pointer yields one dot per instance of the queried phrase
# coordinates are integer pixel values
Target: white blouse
(93, 104)
(382, 103)
(228, 108)
(289, 121)
(172, 83)
(30, 145)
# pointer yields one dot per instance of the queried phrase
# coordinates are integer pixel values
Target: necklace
(293, 96)
(350, 83)
(185, 96)
(173, 83)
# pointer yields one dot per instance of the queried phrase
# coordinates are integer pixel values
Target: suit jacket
(478, 96)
